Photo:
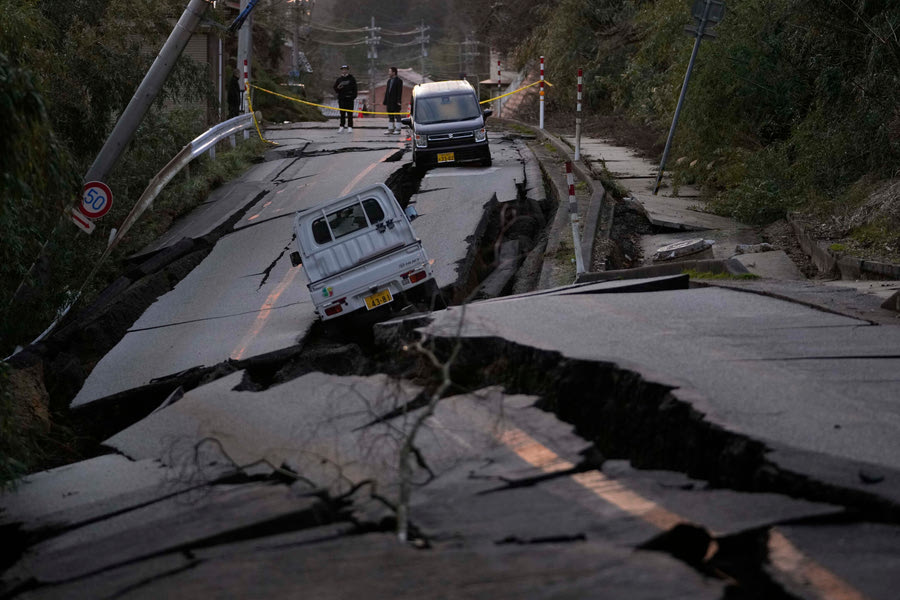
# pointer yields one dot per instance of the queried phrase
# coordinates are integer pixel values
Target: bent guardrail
(205, 142)
(202, 143)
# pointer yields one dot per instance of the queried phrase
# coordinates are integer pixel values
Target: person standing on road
(393, 95)
(345, 88)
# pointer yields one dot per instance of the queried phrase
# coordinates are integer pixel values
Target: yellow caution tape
(369, 112)
(514, 91)
(255, 122)
(362, 112)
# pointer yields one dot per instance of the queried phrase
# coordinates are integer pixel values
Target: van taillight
(417, 276)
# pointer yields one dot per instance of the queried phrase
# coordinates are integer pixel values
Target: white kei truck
(360, 253)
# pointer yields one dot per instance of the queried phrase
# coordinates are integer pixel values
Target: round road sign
(96, 199)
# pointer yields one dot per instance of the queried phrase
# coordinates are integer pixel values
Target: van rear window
(347, 220)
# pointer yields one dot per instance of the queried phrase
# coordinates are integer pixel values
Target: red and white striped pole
(499, 100)
(573, 218)
(541, 125)
(578, 120)
(245, 100)
(245, 89)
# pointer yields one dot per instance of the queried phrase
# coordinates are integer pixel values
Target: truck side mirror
(295, 259)
(487, 112)
(406, 121)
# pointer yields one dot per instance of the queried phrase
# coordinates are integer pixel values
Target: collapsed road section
(498, 477)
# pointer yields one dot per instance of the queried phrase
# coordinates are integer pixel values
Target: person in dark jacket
(393, 94)
(234, 95)
(345, 88)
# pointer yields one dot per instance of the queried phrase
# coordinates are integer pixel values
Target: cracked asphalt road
(622, 445)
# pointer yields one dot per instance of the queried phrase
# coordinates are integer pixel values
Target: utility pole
(707, 14)
(372, 42)
(245, 50)
(423, 39)
(295, 38)
(470, 51)
(143, 97)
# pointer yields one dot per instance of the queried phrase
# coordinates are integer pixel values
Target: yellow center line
(265, 311)
(356, 179)
(783, 555)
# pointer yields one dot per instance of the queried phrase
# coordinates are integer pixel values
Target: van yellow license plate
(378, 298)
(446, 157)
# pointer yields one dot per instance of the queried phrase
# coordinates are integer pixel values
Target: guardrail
(205, 142)
(202, 143)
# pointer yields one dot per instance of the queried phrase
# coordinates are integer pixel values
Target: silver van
(448, 125)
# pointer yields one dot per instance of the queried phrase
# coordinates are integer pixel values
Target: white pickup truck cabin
(360, 253)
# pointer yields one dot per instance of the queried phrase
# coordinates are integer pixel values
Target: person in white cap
(393, 94)
(345, 88)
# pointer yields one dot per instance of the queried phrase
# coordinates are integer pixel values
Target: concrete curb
(847, 267)
(730, 266)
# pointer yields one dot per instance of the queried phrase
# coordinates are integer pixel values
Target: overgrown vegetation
(68, 72)
(793, 107)
(695, 274)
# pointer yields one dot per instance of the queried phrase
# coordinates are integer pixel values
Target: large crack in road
(622, 414)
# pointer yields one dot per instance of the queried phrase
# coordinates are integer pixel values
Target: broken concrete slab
(507, 264)
(892, 302)
(681, 213)
(841, 297)
(816, 386)
(222, 205)
(775, 264)
(183, 328)
(851, 559)
(90, 489)
(722, 512)
(376, 566)
(178, 523)
(309, 431)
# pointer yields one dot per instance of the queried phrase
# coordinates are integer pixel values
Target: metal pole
(153, 81)
(499, 90)
(541, 124)
(372, 56)
(687, 78)
(245, 52)
(220, 80)
(295, 34)
(573, 218)
(423, 39)
(578, 119)
(246, 89)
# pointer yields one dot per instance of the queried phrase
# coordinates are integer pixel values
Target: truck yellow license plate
(378, 298)
(446, 157)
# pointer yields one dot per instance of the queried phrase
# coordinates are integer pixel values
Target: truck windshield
(446, 109)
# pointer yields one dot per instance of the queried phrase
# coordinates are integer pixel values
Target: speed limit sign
(96, 199)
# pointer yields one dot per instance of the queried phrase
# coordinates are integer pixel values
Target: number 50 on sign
(96, 199)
